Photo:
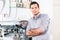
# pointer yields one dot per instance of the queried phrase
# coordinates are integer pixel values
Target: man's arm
(34, 32)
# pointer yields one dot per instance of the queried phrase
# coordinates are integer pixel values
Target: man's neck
(35, 16)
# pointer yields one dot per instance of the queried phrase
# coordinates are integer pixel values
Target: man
(38, 24)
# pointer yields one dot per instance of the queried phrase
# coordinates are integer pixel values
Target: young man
(38, 24)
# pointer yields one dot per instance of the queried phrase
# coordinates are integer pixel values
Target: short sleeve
(44, 23)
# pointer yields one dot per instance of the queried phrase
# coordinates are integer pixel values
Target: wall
(56, 23)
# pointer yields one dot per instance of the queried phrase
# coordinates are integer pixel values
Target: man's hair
(34, 2)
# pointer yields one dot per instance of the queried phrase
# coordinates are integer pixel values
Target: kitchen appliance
(16, 30)
(22, 30)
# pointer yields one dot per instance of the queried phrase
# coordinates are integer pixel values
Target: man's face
(34, 9)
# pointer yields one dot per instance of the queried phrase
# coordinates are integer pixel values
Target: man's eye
(32, 8)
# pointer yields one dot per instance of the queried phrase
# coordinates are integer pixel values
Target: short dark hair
(34, 2)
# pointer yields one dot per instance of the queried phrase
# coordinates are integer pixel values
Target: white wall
(56, 23)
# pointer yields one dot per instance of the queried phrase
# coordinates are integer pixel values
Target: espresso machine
(20, 31)
(17, 30)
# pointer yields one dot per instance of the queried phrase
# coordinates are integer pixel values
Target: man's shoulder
(44, 15)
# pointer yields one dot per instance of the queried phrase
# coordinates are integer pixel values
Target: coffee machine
(20, 32)
(17, 31)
